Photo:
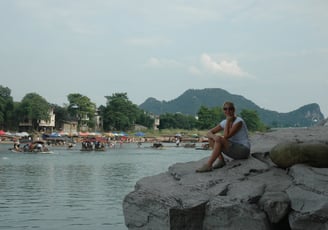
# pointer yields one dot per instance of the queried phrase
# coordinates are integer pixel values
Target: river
(74, 190)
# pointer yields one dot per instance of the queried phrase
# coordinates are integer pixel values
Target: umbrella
(84, 134)
(9, 134)
(109, 134)
(54, 134)
(2, 132)
(24, 134)
(139, 134)
(123, 134)
(62, 133)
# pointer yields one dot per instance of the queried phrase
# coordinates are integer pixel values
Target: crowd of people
(38, 146)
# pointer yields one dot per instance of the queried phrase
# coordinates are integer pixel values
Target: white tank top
(241, 136)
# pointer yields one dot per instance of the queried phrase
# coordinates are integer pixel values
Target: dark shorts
(237, 151)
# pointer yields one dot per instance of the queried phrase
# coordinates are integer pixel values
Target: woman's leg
(219, 144)
(211, 143)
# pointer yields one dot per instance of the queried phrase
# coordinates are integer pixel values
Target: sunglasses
(228, 108)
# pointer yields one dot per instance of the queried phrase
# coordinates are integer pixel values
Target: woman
(234, 142)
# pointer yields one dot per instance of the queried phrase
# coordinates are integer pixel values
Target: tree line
(118, 114)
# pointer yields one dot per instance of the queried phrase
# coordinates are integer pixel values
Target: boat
(15, 150)
(157, 145)
(87, 146)
(203, 147)
(189, 145)
(93, 144)
(31, 147)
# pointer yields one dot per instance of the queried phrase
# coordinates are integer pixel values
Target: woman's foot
(204, 168)
(219, 164)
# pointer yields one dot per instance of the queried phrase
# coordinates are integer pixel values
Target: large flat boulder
(245, 194)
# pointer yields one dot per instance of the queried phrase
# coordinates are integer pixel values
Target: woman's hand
(211, 133)
(215, 138)
(230, 119)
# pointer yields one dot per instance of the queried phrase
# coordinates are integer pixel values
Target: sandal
(219, 164)
(204, 168)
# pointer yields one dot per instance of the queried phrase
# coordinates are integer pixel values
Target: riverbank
(169, 136)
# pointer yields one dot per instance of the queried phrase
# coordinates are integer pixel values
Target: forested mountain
(191, 100)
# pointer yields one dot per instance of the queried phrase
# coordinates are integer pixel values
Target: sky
(274, 53)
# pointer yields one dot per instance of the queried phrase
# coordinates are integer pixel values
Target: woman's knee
(218, 139)
(219, 142)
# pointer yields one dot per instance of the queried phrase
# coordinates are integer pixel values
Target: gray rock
(309, 197)
(276, 205)
(230, 214)
(245, 194)
(287, 154)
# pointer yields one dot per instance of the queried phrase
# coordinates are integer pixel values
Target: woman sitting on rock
(234, 143)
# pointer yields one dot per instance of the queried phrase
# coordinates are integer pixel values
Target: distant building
(25, 125)
(45, 126)
(49, 125)
(139, 127)
(70, 128)
(98, 122)
(156, 122)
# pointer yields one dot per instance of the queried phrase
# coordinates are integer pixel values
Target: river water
(72, 190)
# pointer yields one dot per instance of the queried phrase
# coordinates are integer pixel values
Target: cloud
(194, 70)
(207, 66)
(229, 67)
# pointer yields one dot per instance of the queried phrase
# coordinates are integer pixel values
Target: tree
(209, 117)
(82, 108)
(167, 121)
(6, 108)
(35, 108)
(177, 121)
(120, 113)
(144, 119)
(252, 120)
(61, 116)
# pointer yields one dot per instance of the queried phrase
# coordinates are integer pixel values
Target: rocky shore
(245, 194)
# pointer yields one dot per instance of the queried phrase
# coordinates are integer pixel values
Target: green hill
(191, 100)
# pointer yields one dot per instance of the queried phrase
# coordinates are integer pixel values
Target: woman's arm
(231, 129)
(211, 133)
